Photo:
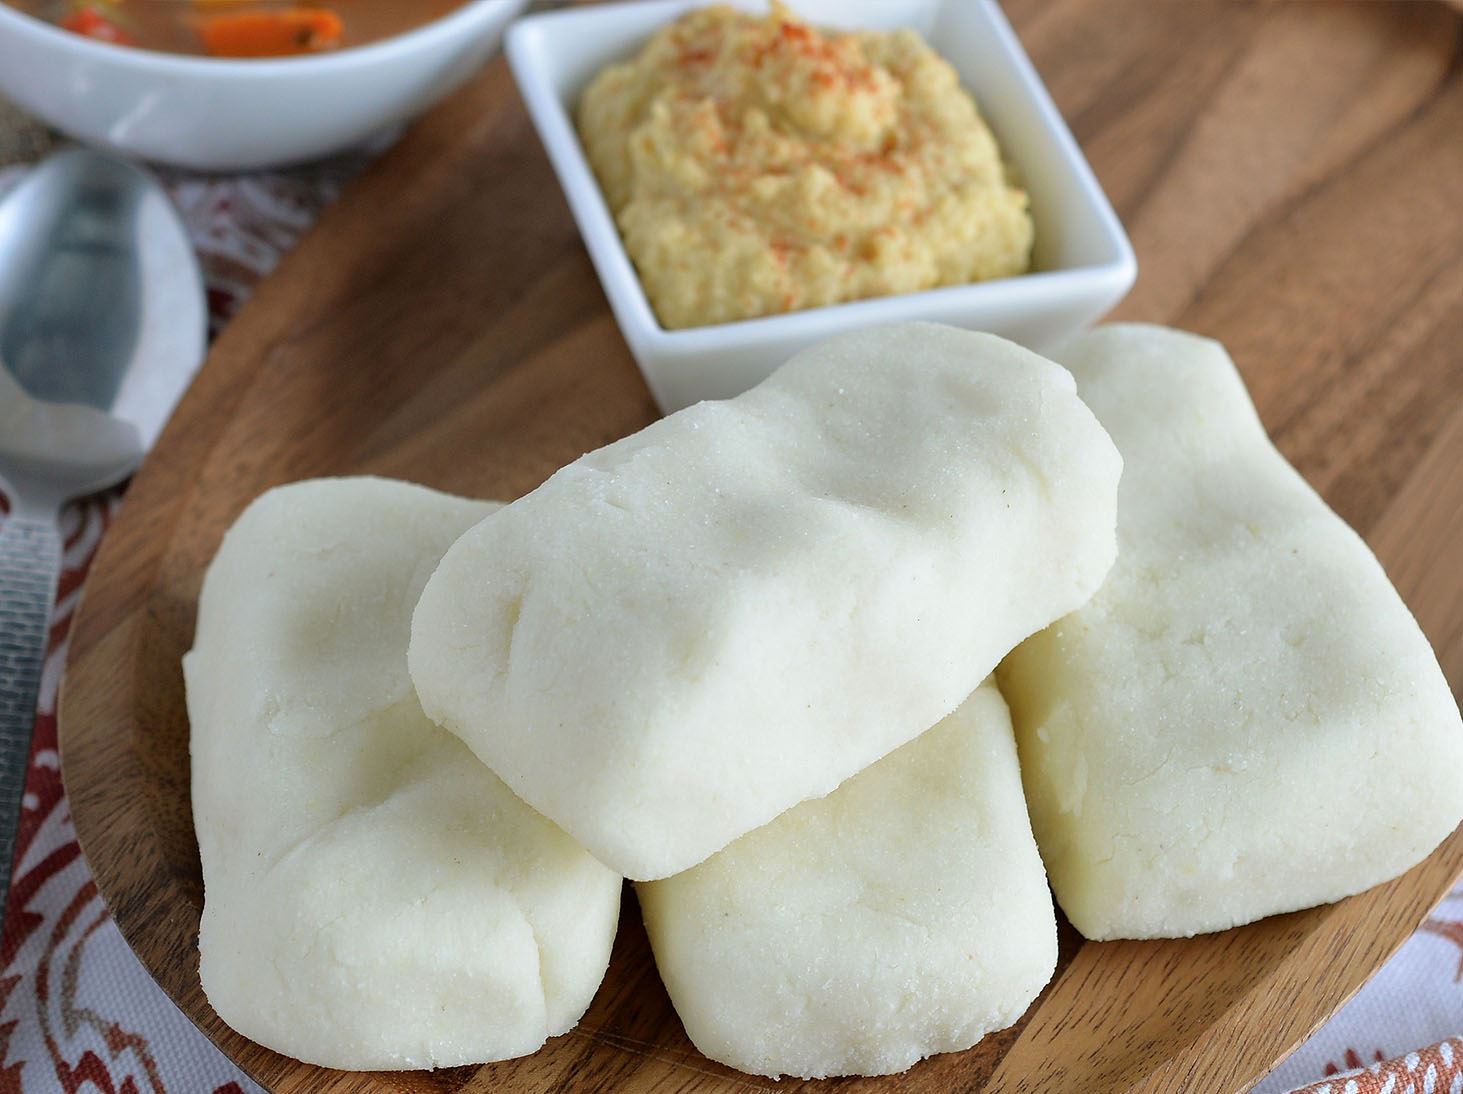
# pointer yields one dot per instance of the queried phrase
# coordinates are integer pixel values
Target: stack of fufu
(840, 672)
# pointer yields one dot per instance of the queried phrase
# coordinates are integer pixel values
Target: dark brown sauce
(173, 26)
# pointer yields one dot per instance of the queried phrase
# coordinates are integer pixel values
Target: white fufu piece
(1246, 719)
(374, 897)
(681, 635)
(905, 914)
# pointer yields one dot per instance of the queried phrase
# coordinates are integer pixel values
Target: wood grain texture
(1290, 174)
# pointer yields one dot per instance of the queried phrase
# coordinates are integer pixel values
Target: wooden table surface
(1292, 178)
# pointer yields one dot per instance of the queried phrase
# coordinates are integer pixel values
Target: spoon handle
(30, 562)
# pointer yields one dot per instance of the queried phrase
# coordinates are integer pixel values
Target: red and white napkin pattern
(78, 1013)
(1438, 1068)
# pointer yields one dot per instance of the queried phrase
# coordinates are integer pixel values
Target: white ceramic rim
(161, 62)
(626, 292)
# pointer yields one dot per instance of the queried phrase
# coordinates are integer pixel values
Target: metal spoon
(102, 325)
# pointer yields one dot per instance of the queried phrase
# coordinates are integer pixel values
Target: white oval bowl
(217, 114)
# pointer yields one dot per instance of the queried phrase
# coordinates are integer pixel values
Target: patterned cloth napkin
(77, 1011)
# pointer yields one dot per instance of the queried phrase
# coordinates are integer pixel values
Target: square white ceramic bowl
(1083, 262)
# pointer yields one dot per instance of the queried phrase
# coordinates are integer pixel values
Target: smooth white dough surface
(682, 634)
(374, 896)
(907, 913)
(1246, 719)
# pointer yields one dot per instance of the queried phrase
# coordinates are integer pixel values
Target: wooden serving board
(1291, 176)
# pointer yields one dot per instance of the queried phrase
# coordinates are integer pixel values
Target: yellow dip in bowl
(757, 165)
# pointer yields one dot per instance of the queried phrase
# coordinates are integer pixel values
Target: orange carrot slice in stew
(270, 33)
(93, 24)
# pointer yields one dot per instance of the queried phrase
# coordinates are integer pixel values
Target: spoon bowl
(101, 300)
